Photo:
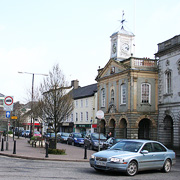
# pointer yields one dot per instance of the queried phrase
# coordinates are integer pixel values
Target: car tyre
(167, 166)
(132, 168)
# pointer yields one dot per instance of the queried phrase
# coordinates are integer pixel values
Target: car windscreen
(78, 135)
(130, 146)
(96, 136)
(65, 134)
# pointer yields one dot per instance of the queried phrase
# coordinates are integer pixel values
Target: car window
(158, 147)
(78, 135)
(148, 147)
(65, 134)
(127, 146)
(95, 136)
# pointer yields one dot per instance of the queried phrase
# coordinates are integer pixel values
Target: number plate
(100, 163)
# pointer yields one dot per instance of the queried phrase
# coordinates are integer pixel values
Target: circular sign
(8, 101)
(100, 114)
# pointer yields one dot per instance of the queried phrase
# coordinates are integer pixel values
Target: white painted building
(83, 117)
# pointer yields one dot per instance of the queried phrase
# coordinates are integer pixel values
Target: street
(21, 169)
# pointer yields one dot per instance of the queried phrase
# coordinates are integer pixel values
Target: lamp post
(32, 98)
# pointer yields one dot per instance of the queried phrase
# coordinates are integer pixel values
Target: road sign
(100, 114)
(8, 103)
(8, 114)
(13, 117)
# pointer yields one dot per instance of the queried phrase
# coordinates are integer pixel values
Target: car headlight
(117, 160)
(75, 139)
(92, 156)
(96, 143)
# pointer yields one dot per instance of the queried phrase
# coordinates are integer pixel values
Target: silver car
(131, 156)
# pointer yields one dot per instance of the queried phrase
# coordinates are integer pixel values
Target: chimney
(75, 84)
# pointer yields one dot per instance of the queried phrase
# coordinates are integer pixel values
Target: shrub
(33, 138)
(10, 132)
(57, 151)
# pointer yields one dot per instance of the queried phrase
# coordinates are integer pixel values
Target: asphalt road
(22, 169)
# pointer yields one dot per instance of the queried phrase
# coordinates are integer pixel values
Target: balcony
(143, 63)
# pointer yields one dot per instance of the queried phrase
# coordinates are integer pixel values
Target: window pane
(145, 93)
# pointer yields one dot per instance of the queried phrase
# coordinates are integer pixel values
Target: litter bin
(52, 143)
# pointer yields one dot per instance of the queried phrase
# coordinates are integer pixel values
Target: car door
(146, 160)
(159, 153)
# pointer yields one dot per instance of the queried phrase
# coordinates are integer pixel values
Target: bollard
(46, 150)
(7, 145)
(14, 150)
(2, 145)
(85, 152)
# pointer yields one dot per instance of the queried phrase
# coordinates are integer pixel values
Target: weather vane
(123, 20)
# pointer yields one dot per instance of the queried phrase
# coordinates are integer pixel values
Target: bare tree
(56, 102)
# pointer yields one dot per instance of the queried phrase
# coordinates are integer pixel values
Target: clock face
(114, 48)
(125, 48)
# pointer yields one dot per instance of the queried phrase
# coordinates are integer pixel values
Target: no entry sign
(8, 103)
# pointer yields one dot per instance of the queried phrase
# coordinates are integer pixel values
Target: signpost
(99, 115)
(8, 107)
(8, 114)
(8, 103)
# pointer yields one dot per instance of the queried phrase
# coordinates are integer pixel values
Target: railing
(143, 63)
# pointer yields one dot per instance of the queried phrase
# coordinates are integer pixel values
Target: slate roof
(85, 91)
(1, 95)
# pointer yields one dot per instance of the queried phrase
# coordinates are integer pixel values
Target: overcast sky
(36, 34)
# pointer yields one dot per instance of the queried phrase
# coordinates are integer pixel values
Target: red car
(37, 133)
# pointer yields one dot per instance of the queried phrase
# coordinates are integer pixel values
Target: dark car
(94, 141)
(75, 139)
(110, 142)
(63, 137)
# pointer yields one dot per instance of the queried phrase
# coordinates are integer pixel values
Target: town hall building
(128, 91)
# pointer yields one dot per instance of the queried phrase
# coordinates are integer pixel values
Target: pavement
(26, 151)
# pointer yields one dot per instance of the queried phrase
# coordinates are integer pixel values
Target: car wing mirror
(144, 152)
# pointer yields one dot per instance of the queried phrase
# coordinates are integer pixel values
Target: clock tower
(122, 44)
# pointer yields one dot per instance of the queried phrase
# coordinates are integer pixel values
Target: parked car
(27, 132)
(23, 133)
(37, 134)
(131, 156)
(110, 142)
(75, 139)
(49, 136)
(63, 137)
(18, 130)
(93, 141)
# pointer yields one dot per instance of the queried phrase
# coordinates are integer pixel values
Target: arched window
(145, 93)
(103, 97)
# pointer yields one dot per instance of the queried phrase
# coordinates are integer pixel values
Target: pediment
(111, 68)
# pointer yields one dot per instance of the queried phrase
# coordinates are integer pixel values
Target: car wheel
(132, 168)
(167, 166)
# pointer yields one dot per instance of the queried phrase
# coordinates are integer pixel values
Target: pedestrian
(109, 135)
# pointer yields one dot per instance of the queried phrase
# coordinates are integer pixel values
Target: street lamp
(32, 97)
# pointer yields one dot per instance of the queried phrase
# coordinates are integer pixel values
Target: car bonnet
(114, 153)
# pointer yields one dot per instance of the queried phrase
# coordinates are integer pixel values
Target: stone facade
(169, 92)
(128, 95)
